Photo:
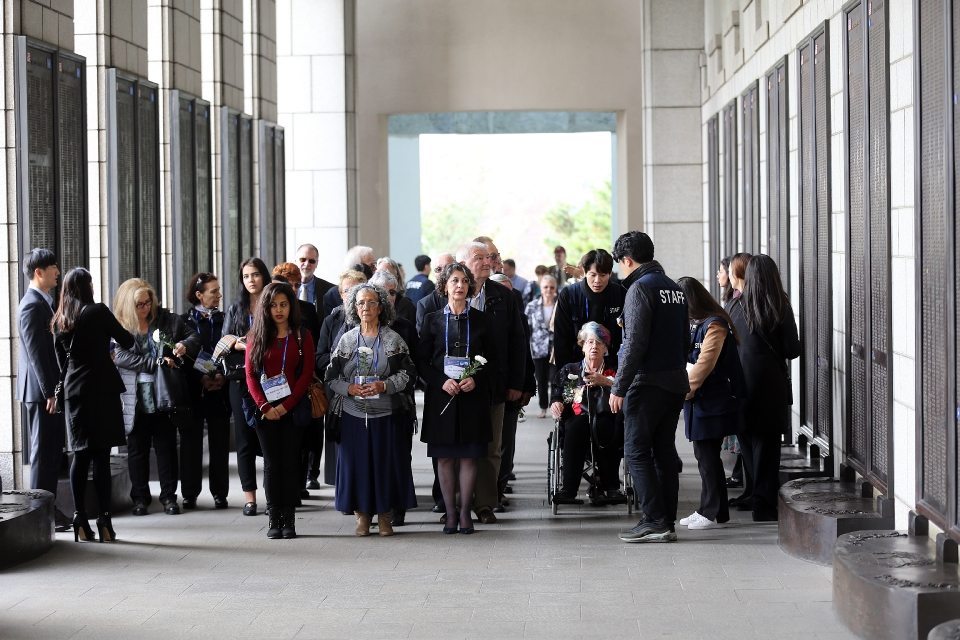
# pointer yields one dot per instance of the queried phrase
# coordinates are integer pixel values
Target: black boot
(289, 523)
(276, 522)
(105, 528)
(81, 527)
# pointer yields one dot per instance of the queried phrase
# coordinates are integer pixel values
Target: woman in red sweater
(279, 370)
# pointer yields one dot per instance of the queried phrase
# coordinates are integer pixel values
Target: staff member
(420, 285)
(594, 299)
(651, 384)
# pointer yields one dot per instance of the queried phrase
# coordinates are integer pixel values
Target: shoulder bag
(58, 391)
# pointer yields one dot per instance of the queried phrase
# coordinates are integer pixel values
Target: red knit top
(271, 366)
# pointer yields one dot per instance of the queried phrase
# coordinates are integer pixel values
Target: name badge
(275, 388)
(146, 377)
(204, 363)
(453, 367)
(362, 380)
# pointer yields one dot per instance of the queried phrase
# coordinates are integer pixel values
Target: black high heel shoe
(81, 528)
(105, 527)
(446, 519)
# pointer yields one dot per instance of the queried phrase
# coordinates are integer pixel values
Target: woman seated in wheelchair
(581, 404)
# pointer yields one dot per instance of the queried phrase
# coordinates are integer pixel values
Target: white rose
(365, 350)
(156, 335)
(572, 376)
(480, 359)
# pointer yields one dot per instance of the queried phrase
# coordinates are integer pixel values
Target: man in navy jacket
(38, 374)
(651, 383)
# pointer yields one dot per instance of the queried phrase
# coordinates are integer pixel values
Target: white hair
(499, 277)
(355, 255)
(384, 278)
(463, 251)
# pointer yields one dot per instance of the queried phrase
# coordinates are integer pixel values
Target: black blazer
(406, 310)
(37, 370)
(468, 418)
(334, 326)
(427, 305)
(91, 370)
(331, 300)
(309, 319)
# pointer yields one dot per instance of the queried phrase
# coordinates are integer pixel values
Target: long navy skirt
(373, 466)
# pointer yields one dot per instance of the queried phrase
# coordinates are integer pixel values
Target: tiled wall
(737, 52)
(315, 68)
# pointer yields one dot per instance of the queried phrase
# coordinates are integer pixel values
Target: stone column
(51, 22)
(260, 59)
(670, 69)
(316, 71)
(109, 34)
(174, 56)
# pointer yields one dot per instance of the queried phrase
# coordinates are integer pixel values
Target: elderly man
(312, 288)
(433, 300)
(501, 305)
(358, 255)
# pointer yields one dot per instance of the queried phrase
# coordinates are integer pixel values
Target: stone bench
(815, 511)
(896, 585)
(26, 526)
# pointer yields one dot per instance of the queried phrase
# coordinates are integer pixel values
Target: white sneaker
(698, 521)
(692, 516)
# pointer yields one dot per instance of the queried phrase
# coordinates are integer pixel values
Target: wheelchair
(626, 494)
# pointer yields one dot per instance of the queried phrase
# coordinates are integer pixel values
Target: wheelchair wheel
(551, 445)
(555, 464)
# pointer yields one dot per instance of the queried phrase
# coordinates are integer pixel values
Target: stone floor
(212, 574)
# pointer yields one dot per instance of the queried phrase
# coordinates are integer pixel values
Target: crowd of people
(615, 360)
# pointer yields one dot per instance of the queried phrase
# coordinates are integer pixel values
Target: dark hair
(264, 330)
(421, 262)
(701, 305)
(635, 245)
(363, 268)
(541, 269)
(448, 270)
(600, 258)
(196, 284)
(75, 291)
(738, 265)
(37, 259)
(765, 303)
(727, 292)
(510, 263)
(278, 278)
(244, 295)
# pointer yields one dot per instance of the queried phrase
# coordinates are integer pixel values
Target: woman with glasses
(254, 276)
(210, 396)
(401, 303)
(369, 372)
(82, 331)
(156, 401)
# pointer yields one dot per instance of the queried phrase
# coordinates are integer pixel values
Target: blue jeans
(651, 416)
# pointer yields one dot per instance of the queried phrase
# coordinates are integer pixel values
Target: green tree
(581, 229)
(445, 226)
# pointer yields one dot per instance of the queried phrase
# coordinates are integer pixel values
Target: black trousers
(508, 447)
(47, 438)
(713, 479)
(761, 468)
(281, 440)
(248, 445)
(311, 450)
(102, 481)
(545, 372)
(651, 415)
(576, 446)
(158, 429)
(191, 456)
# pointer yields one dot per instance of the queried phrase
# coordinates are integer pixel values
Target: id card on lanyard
(362, 380)
(204, 363)
(277, 388)
(452, 366)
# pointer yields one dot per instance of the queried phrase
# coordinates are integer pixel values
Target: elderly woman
(369, 371)
(539, 311)
(402, 305)
(456, 415)
(581, 402)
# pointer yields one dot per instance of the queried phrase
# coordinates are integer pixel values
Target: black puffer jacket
(171, 386)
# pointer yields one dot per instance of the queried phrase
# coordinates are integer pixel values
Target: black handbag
(234, 365)
(332, 428)
(58, 392)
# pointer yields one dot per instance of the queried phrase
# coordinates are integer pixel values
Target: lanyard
(197, 316)
(283, 363)
(586, 303)
(249, 321)
(446, 329)
(376, 351)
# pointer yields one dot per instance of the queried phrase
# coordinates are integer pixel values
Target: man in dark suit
(312, 288)
(38, 374)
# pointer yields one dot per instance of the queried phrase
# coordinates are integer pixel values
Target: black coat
(334, 326)
(406, 310)
(467, 420)
(763, 358)
(92, 377)
(206, 403)
(428, 304)
(507, 325)
(171, 386)
(309, 318)
(571, 314)
(331, 300)
(595, 400)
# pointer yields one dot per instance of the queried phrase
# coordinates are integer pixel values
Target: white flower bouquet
(468, 372)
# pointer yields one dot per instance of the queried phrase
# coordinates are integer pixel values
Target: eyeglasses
(144, 305)
(310, 260)
(367, 303)
(493, 256)
(392, 292)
